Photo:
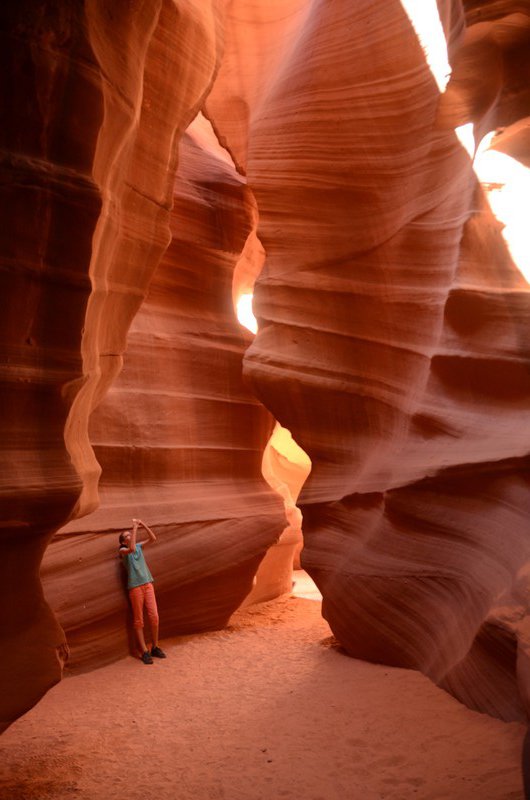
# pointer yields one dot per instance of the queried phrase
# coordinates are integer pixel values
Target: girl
(140, 586)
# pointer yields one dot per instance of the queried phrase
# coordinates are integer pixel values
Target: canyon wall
(95, 97)
(393, 339)
(179, 437)
(393, 325)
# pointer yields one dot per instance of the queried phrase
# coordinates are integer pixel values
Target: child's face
(126, 539)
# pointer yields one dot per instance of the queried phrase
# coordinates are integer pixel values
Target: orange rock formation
(95, 98)
(179, 436)
(393, 339)
(393, 323)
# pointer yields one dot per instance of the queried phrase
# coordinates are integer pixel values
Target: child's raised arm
(150, 533)
(132, 546)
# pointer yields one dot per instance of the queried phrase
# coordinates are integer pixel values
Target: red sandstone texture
(94, 100)
(179, 437)
(393, 337)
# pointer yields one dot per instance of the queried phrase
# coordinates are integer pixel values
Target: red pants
(140, 595)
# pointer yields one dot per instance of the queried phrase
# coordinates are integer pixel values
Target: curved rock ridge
(50, 203)
(146, 110)
(179, 436)
(514, 141)
(393, 339)
(88, 154)
(260, 38)
(490, 68)
(393, 326)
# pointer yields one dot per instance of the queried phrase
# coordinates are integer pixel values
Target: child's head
(125, 538)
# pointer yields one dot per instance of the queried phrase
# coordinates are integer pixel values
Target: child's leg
(152, 611)
(140, 638)
(136, 596)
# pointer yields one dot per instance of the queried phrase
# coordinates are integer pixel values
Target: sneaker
(157, 652)
(146, 658)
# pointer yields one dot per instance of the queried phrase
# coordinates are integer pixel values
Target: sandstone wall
(179, 437)
(393, 338)
(95, 96)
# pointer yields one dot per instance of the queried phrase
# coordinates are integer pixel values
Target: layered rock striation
(393, 338)
(95, 98)
(179, 437)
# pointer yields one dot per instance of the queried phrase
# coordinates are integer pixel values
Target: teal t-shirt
(137, 569)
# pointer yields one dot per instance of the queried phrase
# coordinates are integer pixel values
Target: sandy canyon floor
(268, 709)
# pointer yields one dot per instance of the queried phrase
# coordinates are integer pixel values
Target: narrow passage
(268, 709)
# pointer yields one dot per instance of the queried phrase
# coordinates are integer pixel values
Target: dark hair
(122, 534)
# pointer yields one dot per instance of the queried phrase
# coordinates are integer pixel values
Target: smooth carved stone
(490, 69)
(88, 139)
(393, 337)
(179, 436)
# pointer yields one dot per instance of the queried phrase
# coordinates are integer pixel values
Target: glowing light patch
(283, 442)
(466, 135)
(245, 315)
(507, 185)
(506, 181)
(425, 19)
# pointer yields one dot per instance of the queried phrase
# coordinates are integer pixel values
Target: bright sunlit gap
(245, 314)
(507, 185)
(425, 19)
(505, 180)
(466, 135)
(285, 467)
